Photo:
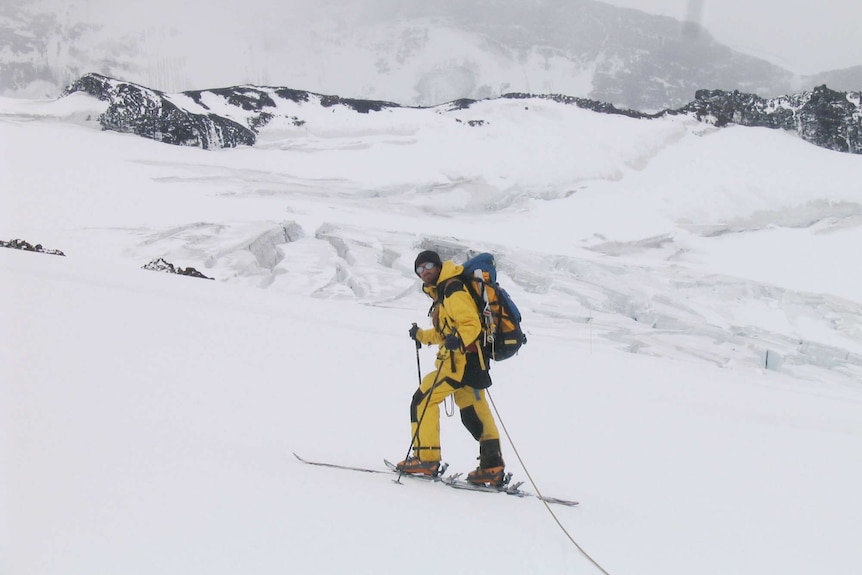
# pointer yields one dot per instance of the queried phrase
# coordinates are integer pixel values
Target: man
(461, 371)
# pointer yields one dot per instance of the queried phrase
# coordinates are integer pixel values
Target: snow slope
(692, 372)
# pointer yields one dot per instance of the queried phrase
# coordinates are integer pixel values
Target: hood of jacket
(449, 270)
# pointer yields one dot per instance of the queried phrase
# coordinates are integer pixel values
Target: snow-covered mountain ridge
(227, 117)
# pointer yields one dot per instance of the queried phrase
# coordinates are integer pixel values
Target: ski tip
(558, 501)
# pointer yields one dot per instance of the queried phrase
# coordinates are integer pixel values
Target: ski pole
(418, 366)
(421, 417)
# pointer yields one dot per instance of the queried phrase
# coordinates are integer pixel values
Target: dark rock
(153, 114)
(462, 104)
(27, 247)
(297, 96)
(190, 271)
(150, 113)
(246, 97)
(361, 106)
(824, 117)
(160, 265)
(585, 103)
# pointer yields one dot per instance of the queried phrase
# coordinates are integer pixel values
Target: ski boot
(491, 465)
(415, 466)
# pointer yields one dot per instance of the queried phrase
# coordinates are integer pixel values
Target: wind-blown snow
(692, 374)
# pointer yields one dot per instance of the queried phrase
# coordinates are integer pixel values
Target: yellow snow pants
(425, 411)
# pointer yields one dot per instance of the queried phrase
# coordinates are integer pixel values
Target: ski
(455, 480)
(337, 466)
(391, 468)
(508, 488)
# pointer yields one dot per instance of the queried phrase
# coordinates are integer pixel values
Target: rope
(539, 493)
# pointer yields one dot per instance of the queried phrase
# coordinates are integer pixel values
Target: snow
(692, 374)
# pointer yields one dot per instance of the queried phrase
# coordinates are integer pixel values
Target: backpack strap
(447, 288)
(459, 283)
(450, 286)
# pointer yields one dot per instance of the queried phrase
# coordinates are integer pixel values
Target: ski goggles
(426, 266)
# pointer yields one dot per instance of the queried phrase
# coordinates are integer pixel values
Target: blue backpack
(502, 336)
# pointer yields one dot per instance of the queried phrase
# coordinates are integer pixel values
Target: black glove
(413, 331)
(452, 342)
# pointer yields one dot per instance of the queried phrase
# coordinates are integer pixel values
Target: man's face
(429, 273)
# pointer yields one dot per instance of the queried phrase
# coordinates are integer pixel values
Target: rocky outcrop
(160, 265)
(27, 247)
(585, 103)
(150, 113)
(824, 117)
(186, 119)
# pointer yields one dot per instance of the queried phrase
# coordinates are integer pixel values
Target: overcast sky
(804, 37)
